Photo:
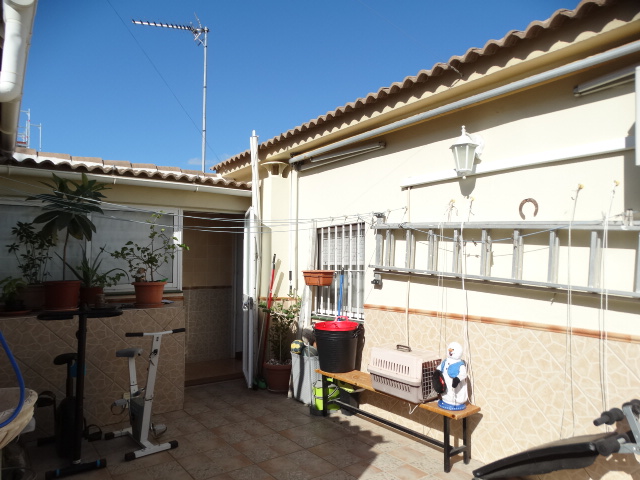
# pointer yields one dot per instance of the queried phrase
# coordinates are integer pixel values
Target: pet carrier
(404, 373)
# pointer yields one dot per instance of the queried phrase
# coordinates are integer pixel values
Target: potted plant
(31, 250)
(283, 318)
(146, 260)
(92, 279)
(67, 208)
(11, 288)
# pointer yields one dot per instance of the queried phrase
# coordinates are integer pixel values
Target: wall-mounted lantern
(466, 148)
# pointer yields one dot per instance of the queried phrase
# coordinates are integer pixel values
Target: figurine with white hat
(450, 379)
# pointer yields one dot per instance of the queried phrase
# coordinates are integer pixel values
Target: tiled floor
(199, 373)
(227, 431)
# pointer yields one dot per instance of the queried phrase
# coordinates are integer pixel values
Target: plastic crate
(404, 373)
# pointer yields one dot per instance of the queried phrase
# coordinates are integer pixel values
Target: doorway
(210, 289)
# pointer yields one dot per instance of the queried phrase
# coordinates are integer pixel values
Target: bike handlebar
(142, 334)
(609, 417)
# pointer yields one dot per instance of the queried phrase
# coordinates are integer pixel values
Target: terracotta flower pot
(148, 294)
(88, 295)
(277, 377)
(61, 294)
(318, 278)
(33, 296)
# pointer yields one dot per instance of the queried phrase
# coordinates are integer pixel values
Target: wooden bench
(363, 380)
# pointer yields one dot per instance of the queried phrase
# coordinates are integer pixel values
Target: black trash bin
(337, 343)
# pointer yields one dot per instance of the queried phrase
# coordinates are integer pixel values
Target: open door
(250, 290)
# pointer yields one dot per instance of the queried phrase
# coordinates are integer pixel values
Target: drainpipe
(18, 25)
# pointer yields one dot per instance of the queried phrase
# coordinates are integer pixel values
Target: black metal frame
(448, 450)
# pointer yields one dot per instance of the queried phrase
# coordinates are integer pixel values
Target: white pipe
(18, 24)
(534, 159)
(255, 174)
(534, 80)
(140, 182)
(293, 216)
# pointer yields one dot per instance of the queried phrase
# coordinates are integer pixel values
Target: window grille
(341, 248)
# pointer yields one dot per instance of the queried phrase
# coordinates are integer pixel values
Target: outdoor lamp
(465, 150)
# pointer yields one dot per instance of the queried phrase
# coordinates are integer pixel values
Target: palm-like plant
(88, 272)
(68, 207)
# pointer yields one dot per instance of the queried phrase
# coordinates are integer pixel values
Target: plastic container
(333, 393)
(399, 371)
(337, 344)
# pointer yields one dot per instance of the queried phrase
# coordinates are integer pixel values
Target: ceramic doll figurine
(450, 379)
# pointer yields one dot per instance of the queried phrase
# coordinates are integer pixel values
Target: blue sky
(101, 86)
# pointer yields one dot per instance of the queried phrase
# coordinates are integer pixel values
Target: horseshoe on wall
(528, 200)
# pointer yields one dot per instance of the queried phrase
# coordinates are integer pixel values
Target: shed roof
(29, 158)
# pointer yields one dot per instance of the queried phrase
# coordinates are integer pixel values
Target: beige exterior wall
(544, 362)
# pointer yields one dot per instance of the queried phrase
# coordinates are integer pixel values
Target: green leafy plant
(283, 317)
(68, 208)
(31, 251)
(88, 272)
(11, 289)
(145, 260)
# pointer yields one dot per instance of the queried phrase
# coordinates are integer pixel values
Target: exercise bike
(140, 401)
(571, 453)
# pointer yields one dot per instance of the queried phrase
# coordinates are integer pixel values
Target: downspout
(18, 26)
(293, 230)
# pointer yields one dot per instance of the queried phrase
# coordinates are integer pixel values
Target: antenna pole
(204, 101)
(197, 32)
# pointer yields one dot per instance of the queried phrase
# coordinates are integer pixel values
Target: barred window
(341, 248)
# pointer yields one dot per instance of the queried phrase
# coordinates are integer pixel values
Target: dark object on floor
(570, 453)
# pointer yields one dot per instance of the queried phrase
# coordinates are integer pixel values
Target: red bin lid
(336, 326)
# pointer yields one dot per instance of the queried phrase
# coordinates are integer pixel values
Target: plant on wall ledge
(31, 251)
(68, 207)
(145, 260)
(11, 289)
(89, 273)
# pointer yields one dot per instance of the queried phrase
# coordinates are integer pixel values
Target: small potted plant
(31, 250)
(283, 318)
(11, 289)
(67, 208)
(146, 260)
(92, 279)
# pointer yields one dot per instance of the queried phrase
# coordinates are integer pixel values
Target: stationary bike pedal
(158, 429)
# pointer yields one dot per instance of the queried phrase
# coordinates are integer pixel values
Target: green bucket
(333, 394)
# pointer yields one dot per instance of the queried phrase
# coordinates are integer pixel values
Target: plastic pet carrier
(404, 373)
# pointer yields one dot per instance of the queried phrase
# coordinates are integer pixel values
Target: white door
(251, 265)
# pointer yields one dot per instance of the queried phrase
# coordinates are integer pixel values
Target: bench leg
(447, 445)
(467, 443)
(325, 396)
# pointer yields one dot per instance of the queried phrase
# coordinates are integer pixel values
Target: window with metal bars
(341, 248)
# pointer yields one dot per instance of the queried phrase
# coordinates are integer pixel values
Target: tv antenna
(200, 37)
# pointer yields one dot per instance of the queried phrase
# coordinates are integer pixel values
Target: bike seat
(128, 352)
(65, 358)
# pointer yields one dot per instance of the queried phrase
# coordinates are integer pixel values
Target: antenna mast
(200, 36)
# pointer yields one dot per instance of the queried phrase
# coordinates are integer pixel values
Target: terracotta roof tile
(29, 158)
(492, 47)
